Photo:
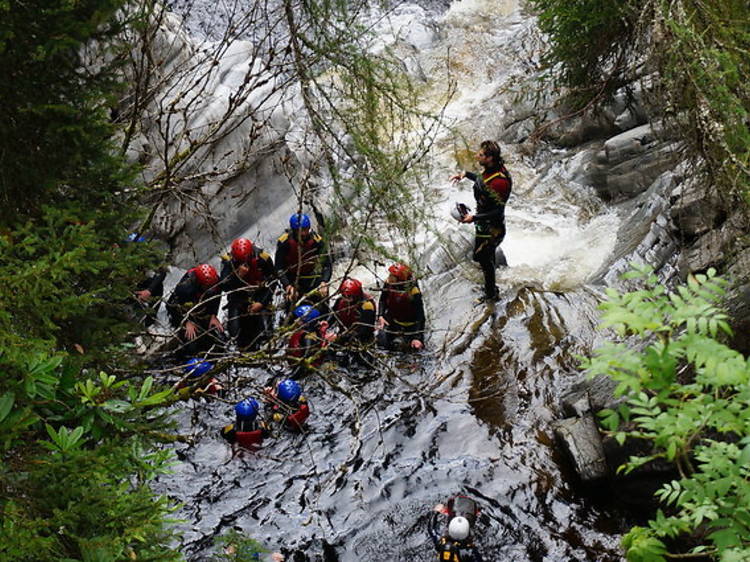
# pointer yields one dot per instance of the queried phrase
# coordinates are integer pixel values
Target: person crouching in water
(456, 545)
(246, 431)
(401, 311)
(287, 406)
(197, 381)
(354, 317)
(310, 340)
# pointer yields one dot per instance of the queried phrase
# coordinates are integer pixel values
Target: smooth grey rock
(630, 118)
(634, 176)
(712, 249)
(629, 144)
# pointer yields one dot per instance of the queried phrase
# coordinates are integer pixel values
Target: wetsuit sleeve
(211, 300)
(383, 304)
(267, 267)
(418, 304)
(470, 175)
(280, 261)
(326, 265)
(432, 529)
(182, 294)
(226, 269)
(264, 295)
(366, 322)
(155, 283)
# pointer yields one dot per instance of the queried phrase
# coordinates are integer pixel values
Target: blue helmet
(197, 367)
(135, 237)
(299, 220)
(289, 390)
(247, 409)
(306, 313)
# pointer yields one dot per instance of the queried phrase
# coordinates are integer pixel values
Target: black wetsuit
(450, 550)
(402, 307)
(305, 264)
(248, 328)
(491, 192)
(190, 301)
(153, 283)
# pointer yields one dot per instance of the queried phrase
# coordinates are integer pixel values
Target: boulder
(695, 210)
(582, 441)
(634, 176)
(629, 144)
(580, 437)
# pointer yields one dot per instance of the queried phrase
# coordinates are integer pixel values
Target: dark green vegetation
(688, 395)
(692, 56)
(77, 446)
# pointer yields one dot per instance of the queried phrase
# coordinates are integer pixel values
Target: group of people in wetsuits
(302, 266)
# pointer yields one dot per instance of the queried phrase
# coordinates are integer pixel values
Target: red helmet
(206, 275)
(351, 289)
(400, 271)
(242, 249)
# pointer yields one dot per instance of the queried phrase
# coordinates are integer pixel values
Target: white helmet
(459, 211)
(458, 528)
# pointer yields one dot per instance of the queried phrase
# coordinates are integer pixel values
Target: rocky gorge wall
(673, 220)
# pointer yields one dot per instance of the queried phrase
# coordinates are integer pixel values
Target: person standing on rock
(456, 544)
(491, 191)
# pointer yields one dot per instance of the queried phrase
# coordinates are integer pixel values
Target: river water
(472, 414)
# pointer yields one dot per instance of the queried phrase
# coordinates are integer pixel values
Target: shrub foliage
(687, 394)
(76, 446)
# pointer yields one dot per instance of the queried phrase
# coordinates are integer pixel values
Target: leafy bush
(687, 394)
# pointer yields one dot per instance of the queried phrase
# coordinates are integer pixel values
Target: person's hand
(458, 177)
(255, 307)
(215, 323)
(416, 344)
(191, 330)
(143, 296)
(467, 218)
(277, 557)
(323, 289)
(291, 292)
(382, 323)
(328, 335)
(440, 508)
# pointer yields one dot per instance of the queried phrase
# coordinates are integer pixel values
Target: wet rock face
(673, 218)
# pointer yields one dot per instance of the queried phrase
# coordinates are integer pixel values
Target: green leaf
(6, 403)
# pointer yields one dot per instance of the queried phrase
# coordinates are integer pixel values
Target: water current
(472, 414)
